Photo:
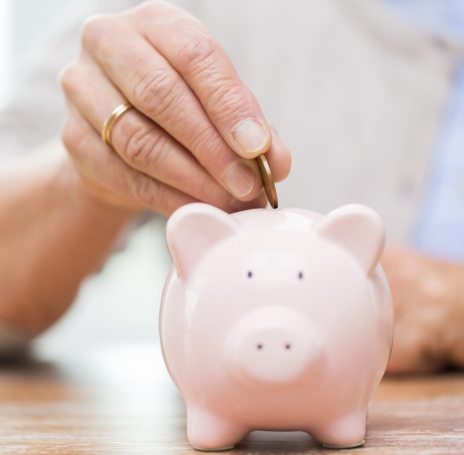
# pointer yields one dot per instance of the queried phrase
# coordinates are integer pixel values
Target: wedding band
(111, 121)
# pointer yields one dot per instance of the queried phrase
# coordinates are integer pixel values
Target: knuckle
(197, 53)
(156, 92)
(147, 192)
(72, 138)
(93, 27)
(69, 78)
(152, 7)
(203, 188)
(162, 11)
(207, 140)
(146, 149)
(96, 29)
(227, 98)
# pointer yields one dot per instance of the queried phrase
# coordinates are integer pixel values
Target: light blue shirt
(440, 227)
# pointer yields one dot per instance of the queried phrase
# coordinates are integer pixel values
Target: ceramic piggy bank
(276, 320)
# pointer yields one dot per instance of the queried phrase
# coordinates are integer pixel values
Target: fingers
(141, 144)
(203, 64)
(179, 104)
(413, 353)
(155, 89)
(108, 177)
(421, 313)
(280, 159)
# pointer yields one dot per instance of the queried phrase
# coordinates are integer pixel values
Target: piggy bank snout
(273, 340)
(277, 347)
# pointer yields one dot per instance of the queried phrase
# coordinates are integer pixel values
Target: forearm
(52, 235)
(455, 334)
(428, 293)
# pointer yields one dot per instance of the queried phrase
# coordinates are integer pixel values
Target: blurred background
(21, 21)
(6, 42)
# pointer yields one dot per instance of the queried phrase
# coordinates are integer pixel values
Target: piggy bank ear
(192, 230)
(358, 230)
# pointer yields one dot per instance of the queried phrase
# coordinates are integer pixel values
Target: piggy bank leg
(210, 432)
(343, 433)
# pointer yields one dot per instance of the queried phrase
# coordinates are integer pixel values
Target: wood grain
(121, 401)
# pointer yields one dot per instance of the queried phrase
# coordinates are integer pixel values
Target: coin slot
(250, 274)
(300, 276)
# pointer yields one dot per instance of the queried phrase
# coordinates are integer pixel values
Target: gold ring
(111, 121)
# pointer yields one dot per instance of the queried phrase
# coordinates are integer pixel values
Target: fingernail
(251, 136)
(240, 180)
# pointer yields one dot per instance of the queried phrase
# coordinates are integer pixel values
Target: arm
(192, 136)
(52, 234)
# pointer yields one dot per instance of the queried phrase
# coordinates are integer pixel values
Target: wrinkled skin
(195, 127)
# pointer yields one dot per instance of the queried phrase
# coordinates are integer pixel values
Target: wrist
(86, 201)
(54, 231)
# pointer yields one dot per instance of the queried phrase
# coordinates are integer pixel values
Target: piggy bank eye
(300, 276)
(249, 274)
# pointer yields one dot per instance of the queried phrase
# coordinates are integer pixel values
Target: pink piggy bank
(276, 320)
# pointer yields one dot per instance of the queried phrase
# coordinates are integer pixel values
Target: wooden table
(121, 401)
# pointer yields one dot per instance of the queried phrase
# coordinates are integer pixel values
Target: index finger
(204, 65)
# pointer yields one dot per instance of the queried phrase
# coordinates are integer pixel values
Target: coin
(268, 181)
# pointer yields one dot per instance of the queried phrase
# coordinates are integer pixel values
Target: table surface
(121, 401)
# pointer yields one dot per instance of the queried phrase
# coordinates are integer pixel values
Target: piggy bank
(276, 320)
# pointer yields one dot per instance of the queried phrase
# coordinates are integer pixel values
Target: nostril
(259, 346)
(288, 346)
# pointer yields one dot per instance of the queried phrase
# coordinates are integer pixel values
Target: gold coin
(268, 181)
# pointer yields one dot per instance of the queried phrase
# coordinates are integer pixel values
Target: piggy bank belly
(328, 401)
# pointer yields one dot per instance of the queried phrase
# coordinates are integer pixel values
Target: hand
(428, 295)
(195, 128)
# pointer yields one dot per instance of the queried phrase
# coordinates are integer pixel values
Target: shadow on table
(26, 362)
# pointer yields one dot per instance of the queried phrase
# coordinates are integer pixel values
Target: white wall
(30, 19)
(5, 50)
(21, 21)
